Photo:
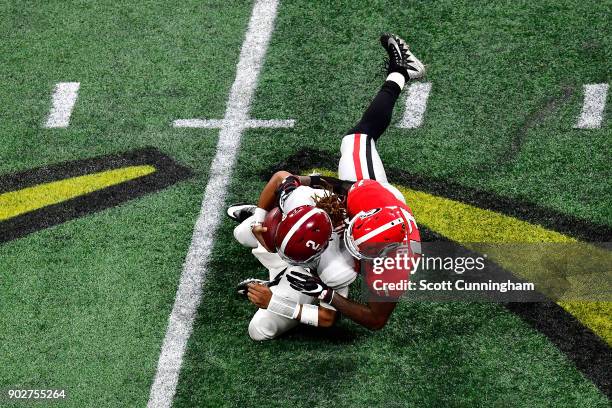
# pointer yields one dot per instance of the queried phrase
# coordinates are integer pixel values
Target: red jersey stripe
(356, 158)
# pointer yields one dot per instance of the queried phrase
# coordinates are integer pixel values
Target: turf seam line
(64, 98)
(189, 293)
(593, 107)
(538, 116)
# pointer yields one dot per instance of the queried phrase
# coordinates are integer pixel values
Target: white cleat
(240, 212)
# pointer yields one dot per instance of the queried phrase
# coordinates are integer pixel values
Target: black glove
(310, 285)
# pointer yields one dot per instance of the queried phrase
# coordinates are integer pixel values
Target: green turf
(84, 305)
(322, 70)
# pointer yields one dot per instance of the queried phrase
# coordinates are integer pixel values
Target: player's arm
(373, 315)
(284, 182)
(268, 197)
(340, 187)
(326, 317)
(313, 315)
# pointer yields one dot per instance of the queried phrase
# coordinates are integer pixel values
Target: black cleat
(400, 58)
(240, 212)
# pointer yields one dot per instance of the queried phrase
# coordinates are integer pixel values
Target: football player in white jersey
(371, 202)
(281, 307)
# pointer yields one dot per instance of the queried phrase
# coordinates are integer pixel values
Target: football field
(126, 128)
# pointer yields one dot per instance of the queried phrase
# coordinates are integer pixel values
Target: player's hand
(310, 285)
(289, 184)
(259, 295)
(258, 231)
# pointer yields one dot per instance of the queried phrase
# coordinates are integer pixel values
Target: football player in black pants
(363, 181)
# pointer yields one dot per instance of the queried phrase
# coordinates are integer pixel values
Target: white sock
(397, 78)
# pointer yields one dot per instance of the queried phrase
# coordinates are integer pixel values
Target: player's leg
(244, 235)
(243, 214)
(377, 117)
(270, 260)
(359, 158)
(266, 325)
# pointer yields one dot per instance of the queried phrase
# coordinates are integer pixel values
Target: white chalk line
(64, 98)
(416, 104)
(188, 296)
(593, 107)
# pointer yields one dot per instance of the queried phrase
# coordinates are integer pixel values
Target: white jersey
(302, 195)
(335, 267)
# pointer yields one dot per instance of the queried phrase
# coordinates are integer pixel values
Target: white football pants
(359, 160)
(266, 325)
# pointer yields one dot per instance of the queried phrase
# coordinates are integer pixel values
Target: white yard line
(416, 104)
(64, 98)
(594, 106)
(189, 293)
(199, 123)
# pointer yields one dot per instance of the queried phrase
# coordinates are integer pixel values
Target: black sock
(377, 117)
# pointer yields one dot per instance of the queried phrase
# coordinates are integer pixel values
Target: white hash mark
(416, 104)
(593, 108)
(64, 98)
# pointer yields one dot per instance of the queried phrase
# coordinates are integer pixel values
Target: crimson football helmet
(303, 234)
(374, 233)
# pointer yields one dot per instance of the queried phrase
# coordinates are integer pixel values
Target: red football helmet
(374, 233)
(303, 234)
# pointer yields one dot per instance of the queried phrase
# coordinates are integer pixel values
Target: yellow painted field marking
(14, 203)
(466, 224)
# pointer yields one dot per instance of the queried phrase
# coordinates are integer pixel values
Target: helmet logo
(313, 245)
